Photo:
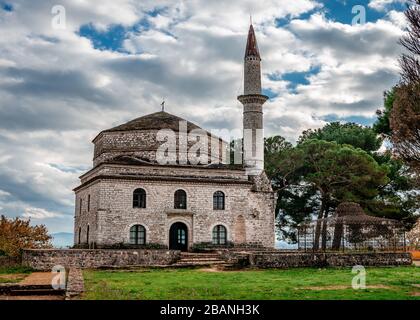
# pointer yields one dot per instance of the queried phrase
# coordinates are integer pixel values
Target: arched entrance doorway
(178, 237)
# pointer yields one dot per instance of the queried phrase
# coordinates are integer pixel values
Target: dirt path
(38, 278)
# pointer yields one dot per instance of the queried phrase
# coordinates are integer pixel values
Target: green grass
(15, 269)
(13, 274)
(184, 284)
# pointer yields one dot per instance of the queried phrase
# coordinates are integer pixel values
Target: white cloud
(381, 5)
(40, 214)
(4, 194)
(357, 63)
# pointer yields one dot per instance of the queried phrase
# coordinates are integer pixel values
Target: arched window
(219, 234)
(139, 198)
(218, 200)
(138, 234)
(180, 199)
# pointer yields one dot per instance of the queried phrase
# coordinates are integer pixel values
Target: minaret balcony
(253, 98)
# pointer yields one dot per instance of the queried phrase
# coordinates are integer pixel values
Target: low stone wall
(9, 261)
(293, 260)
(46, 259)
(75, 283)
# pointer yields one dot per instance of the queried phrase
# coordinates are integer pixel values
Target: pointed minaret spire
(253, 100)
(251, 44)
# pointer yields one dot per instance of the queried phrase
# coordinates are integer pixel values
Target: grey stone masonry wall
(252, 75)
(108, 215)
(297, 259)
(46, 259)
(248, 215)
(145, 143)
(170, 171)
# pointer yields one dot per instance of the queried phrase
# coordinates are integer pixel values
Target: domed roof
(154, 121)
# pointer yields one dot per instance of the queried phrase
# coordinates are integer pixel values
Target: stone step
(204, 262)
(181, 265)
(6, 288)
(200, 259)
(200, 262)
(201, 255)
(36, 292)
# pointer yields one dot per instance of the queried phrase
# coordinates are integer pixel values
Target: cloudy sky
(64, 80)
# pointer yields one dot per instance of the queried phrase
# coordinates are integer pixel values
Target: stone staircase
(28, 292)
(39, 290)
(35, 286)
(191, 259)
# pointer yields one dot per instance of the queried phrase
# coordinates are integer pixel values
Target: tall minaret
(253, 100)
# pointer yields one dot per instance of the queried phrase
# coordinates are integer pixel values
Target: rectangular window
(89, 203)
(139, 198)
(180, 199)
(80, 206)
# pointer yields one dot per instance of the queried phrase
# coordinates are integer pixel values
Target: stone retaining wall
(75, 283)
(9, 261)
(292, 260)
(46, 259)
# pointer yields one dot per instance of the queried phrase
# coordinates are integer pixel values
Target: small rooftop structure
(351, 228)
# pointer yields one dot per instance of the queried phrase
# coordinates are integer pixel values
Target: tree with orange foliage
(17, 234)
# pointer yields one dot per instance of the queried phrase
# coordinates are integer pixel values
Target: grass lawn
(305, 283)
(13, 274)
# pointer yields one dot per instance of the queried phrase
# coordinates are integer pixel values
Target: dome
(138, 138)
(154, 121)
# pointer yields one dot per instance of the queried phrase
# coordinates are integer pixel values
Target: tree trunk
(324, 230)
(318, 225)
(338, 234)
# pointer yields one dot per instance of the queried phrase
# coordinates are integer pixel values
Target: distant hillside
(62, 239)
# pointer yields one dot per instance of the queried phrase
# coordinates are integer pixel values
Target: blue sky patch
(7, 7)
(111, 39)
(269, 93)
(299, 78)
(341, 11)
(365, 121)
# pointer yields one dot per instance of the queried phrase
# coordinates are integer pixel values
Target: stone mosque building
(131, 198)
